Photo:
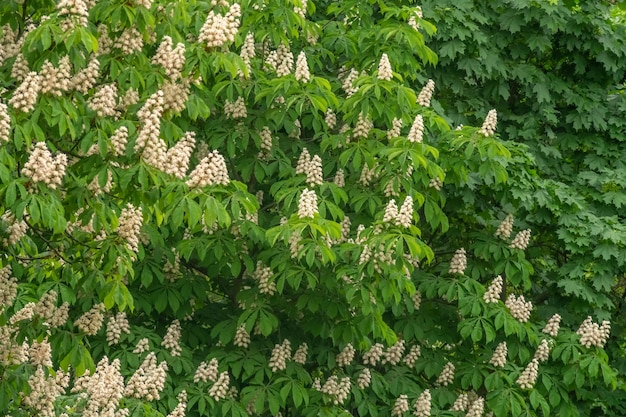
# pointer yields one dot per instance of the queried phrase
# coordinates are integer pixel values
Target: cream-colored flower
(384, 69)
(307, 205)
(489, 125)
(302, 69)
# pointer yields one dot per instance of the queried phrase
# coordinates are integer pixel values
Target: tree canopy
(308, 208)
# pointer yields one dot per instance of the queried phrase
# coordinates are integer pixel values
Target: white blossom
(384, 69)
(528, 377)
(489, 126)
(458, 262)
(302, 69)
(423, 99)
(552, 326)
(519, 307)
(307, 205)
(416, 133)
(499, 355)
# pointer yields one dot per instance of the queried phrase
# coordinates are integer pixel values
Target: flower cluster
(280, 355)
(521, 240)
(552, 326)
(543, 351)
(242, 337)
(505, 228)
(152, 148)
(20, 68)
(396, 126)
(413, 19)
(130, 41)
(363, 126)
(384, 69)
(40, 353)
(295, 244)
(219, 390)
(247, 50)
(307, 205)
(311, 167)
(143, 345)
(266, 143)
(94, 185)
(458, 262)
(25, 95)
(55, 80)
(236, 109)
(528, 377)
(218, 30)
(130, 97)
(372, 356)
(207, 372)
(417, 300)
(44, 388)
(14, 228)
(25, 313)
(424, 97)
(211, 170)
(285, 60)
(402, 217)
(422, 406)
(413, 355)
(302, 69)
(171, 59)
(492, 295)
(477, 408)
(461, 403)
(103, 389)
(86, 78)
(447, 375)
(75, 13)
(401, 406)
(8, 287)
(489, 125)
(117, 325)
(379, 257)
(129, 229)
(393, 354)
(263, 275)
(105, 43)
(181, 407)
(104, 100)
(339, 180)
(301, 10)
(592, 334)
(417, 130)
(519, 307)
(330, 118)
(177, 157)
(175, 94)
(301, 353)
(345, 357)
(348, 82)
(171, 340)
(338, 390)
(51, 315)
(42, 167)
(147, 382)
(296, 132)
(364, 379)
(90, 322)
(499, 355)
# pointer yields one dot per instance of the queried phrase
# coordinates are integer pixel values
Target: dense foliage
(554, 71)
(254, 209)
